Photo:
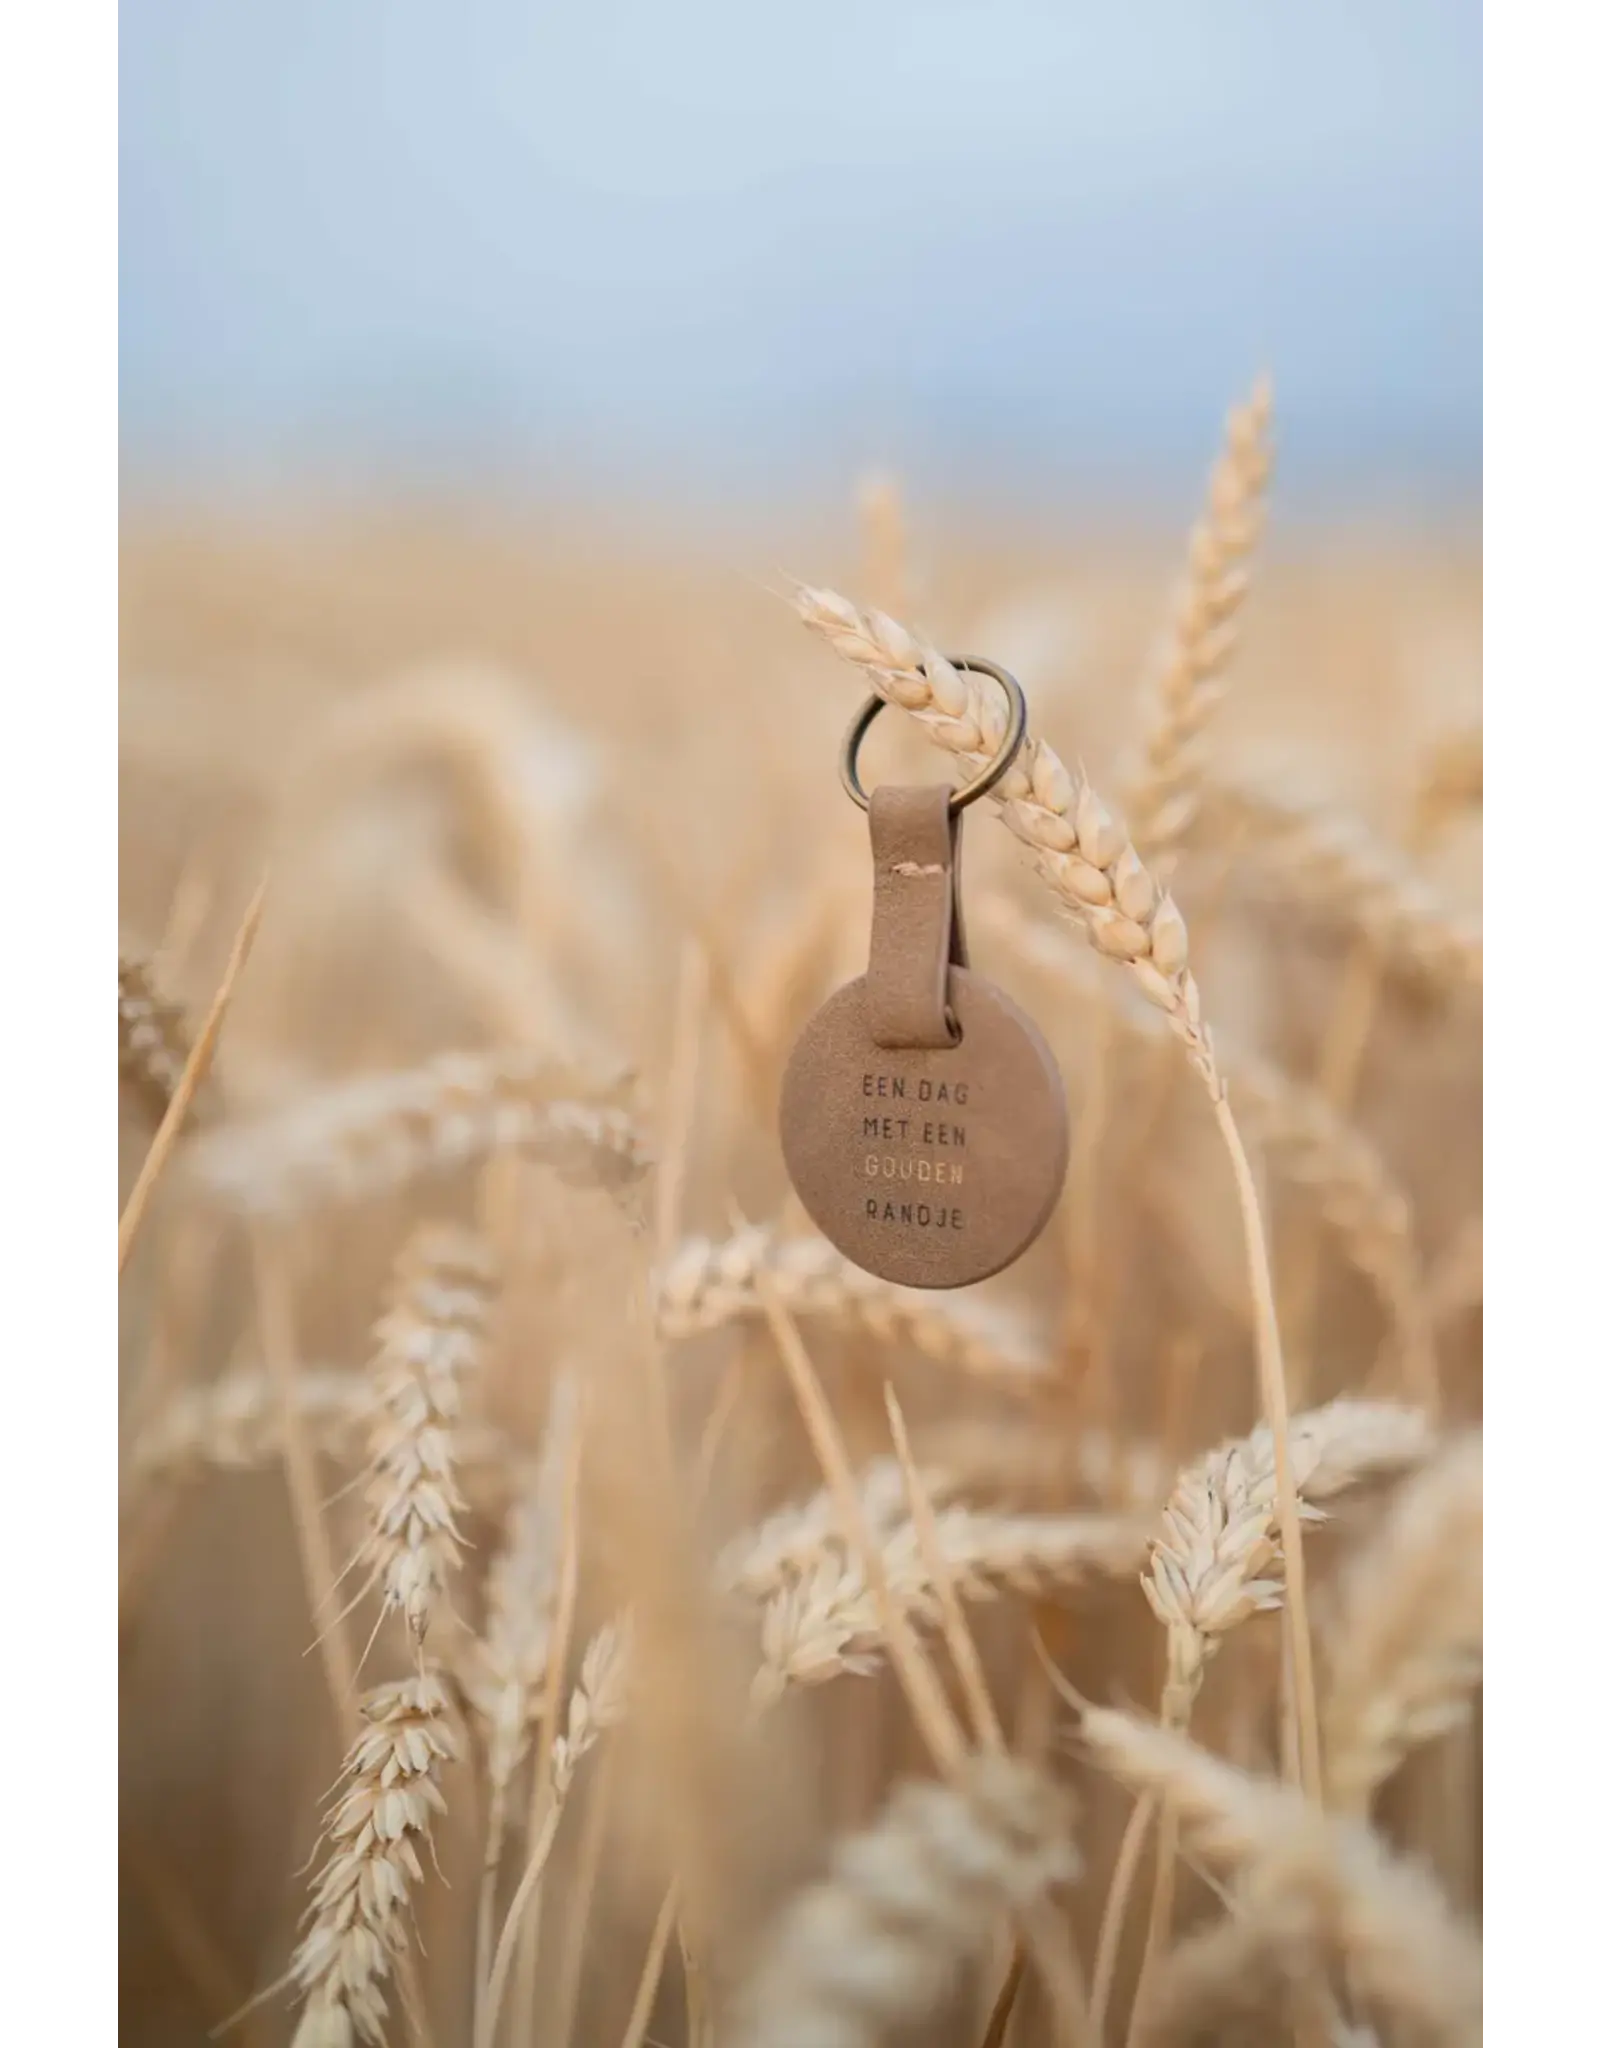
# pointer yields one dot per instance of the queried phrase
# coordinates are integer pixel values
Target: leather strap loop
(916, 916)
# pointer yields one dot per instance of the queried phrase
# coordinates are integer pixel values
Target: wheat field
(563, 1601)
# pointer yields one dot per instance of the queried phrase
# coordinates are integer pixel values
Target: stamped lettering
(956, 1165)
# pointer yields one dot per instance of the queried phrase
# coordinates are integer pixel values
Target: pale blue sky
(747, 245)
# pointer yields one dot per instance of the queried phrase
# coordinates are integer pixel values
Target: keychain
(923, 1120)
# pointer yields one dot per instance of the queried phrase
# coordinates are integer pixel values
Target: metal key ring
(1010, 744)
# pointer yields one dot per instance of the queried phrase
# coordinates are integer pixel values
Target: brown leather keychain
(923, 1120)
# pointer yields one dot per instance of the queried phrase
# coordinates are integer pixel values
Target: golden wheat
(466, 857)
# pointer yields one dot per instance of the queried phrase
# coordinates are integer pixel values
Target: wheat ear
(599, 1701)
(360, 1903)
(1231, 1981)
(190, 1081)
(1406, 1656)
(1218, 1558)
(507, 1669)
(1333, 864)
(786, 1543)
(236, 1424)
(1162, 791)
(1400, 1946)
(880, 506)
(704, 1285)
(153, 1035)
(826, 1619)
(1161, 786)
(379, 1133)
(430, 1342)
(1354, 1011)
(878, 1943)
(1010, 1460)
(820, 1616)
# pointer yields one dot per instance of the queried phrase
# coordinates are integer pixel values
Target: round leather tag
(932, 1168)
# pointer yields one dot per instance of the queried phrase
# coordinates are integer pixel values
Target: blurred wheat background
(504, 1654)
